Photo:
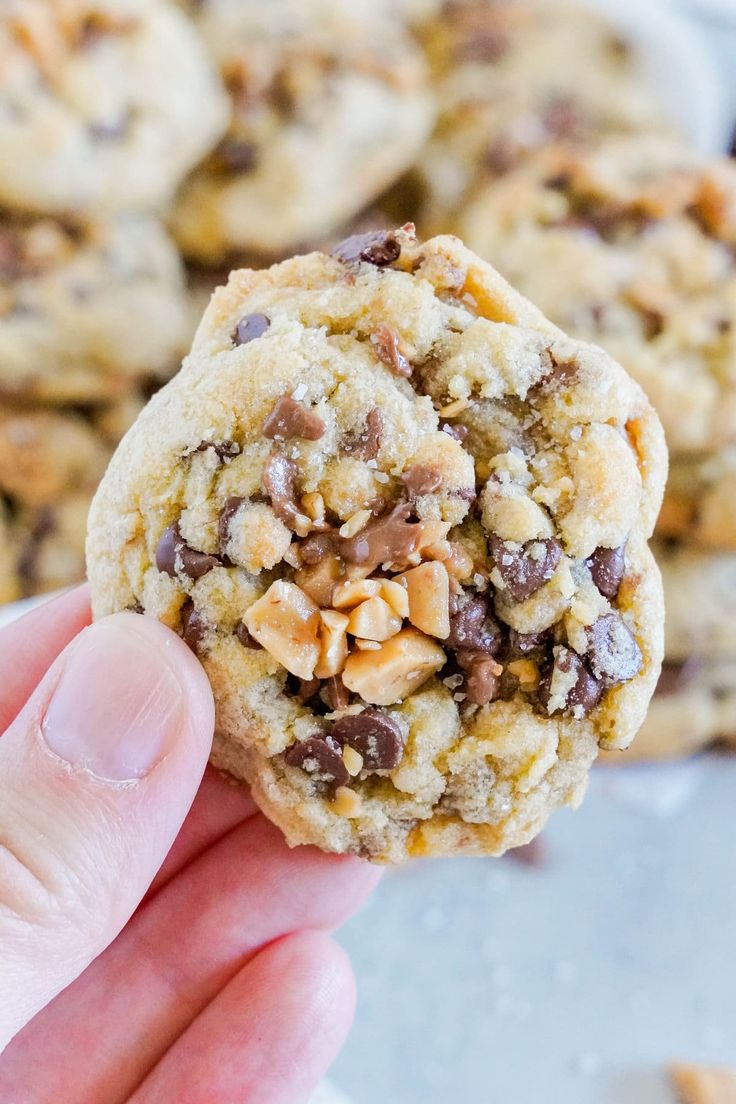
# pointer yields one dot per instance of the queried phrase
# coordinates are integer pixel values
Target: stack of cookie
(291, 117)
(103, 108)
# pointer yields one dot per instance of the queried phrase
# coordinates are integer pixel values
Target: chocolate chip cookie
(700, 596)
(402, 520)
(631, 246)
(87, 308)
(514, 77)
(694, 707)
(104, 104)
(329, 106)
(700, 500)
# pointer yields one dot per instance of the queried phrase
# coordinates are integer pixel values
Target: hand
(222, 985)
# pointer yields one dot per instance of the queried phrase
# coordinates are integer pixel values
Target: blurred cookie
(329, 106)
(515, 76)
(417, 635)
(632, 247)
(700, 598)
(104, 104)
(88, 308)
(49, 543)
(9, 584)
(700, 500)
(694, 706)
(44, 455)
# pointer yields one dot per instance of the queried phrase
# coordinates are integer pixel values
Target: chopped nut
(313, 505)
(454, 408)
(285, 621)
(353, 760)
(526, 671)
(460, 563)
(320, 580)
(374, 620)
(397, 597)
(333, 644)
(352, 593)
(428, 590)
(347, 803)
(355, 523)
(397, 669)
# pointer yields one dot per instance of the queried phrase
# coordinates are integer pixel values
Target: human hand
(221, 985)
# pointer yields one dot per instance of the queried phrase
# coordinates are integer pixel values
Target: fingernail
(118, 706)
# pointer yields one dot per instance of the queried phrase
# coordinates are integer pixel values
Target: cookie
(9, 584)
(46, 454)
(88, 308)
(402, 520)
(48, 543)
(330, 105)
(703, 1084)
(631, 247)
(700, 500)
(104, 104)
(514, 77)
(700, 597)
(694, 707)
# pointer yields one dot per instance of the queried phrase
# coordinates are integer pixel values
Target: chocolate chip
(607, 566)
(421, 479)
(526, 568)
(290, 419)
(472, 629)
(387, 344)
(522, 644)
(389, 539)
(321, 757)
(366, 444)
(245, 638)
(279, 483)
(193, 627)
(501, 156)
(613, 653)
(483, 681)
(561, 118)
(455, 430)
(109, 132)
(236, 156)
(315, 548)
(377, 247)
(375, 735)
(227, 513)
(338, 695)
(584, 693)
(483, 45)
(307, 690)
(250, 327)
(675, 677)
(226, 450)
(175, 557)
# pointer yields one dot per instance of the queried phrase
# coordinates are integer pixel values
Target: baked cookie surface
(330, 104)
(104, 104)
(402, 520)
(88, 307)
(630, 246)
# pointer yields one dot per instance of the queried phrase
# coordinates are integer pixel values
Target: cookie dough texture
(330, 105)
(402, 519)
(514, 76)
(104, 104)
(87, 308)
(631, 247)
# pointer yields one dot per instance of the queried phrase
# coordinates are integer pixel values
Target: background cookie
(329, 106)
(103, 104)
(401, 667)
(88, 308)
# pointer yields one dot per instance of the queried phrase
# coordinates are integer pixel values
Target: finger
(269, 1036)
(30, 645)
(97, 773)
(173, 959)
(220, 805)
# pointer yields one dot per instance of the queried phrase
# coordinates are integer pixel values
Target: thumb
(97, 774)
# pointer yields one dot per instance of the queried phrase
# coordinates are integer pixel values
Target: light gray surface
(484, 981)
